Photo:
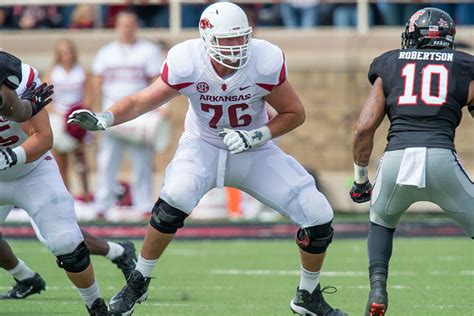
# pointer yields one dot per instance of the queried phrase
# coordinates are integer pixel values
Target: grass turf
(429, 276)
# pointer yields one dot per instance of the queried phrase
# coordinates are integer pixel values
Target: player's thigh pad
(389, 200)
(279, 181)
(451, 188)
(45, 198)
(191, 173)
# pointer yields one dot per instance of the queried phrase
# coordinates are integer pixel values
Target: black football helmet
(429, 28)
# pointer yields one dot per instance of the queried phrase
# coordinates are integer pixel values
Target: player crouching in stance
(422, 88)
(30, 179)
(227, 89)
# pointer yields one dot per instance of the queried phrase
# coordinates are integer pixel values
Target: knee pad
(165, 218)
(76, 261)
(315, 239)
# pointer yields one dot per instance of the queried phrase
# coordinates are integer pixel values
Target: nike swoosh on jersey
(243, 88)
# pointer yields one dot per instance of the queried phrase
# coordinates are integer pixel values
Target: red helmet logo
(414, 17)
(205, 24)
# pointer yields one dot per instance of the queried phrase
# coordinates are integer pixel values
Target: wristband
(108, 118)
(20, 155)
(260, 135)
(361, 174)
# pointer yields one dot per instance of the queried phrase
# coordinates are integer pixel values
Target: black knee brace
(76, 261)
(165, 218)
(315, 239)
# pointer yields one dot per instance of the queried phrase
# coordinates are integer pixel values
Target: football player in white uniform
(227, 77)
(120, 68)
(30, 179)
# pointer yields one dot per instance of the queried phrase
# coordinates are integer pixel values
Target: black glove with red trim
(361, 193)
(39, 97)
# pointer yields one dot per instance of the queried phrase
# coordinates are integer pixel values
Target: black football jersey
(425, 91)
(10, 70)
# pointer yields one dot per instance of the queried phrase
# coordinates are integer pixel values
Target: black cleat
(378, 302)
(128, 260)
(23, 289)
(314, 304)
(136, 291)
(98, 308)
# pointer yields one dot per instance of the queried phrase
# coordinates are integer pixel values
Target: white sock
(21, 271)
(145, 266)
(115, 250)
(90, 294)
(308, 280)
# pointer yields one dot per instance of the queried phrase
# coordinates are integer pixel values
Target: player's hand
(236, 141)
(39, 97)
(89, 120)
(361, 193)
(8, 158)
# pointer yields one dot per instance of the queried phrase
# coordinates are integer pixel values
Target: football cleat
(135, 291)
(128, 260)
(377, 303)
(23, 289)
(305, 303)
(98, 308)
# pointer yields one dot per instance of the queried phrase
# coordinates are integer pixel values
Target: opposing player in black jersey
(32, 100)
(422, 88)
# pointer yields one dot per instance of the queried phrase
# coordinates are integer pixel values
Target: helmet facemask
(235, 56)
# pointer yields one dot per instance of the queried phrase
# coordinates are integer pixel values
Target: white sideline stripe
(283, 272)
(297, 272)
(468, 272)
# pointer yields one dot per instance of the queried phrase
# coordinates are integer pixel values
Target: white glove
(91, 121)
(238, 141)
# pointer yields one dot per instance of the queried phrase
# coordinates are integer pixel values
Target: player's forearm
(283, 123)
(362, 147)
(36, 145)
(17, 110)
(126, 109)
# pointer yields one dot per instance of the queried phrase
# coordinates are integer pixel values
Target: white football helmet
(226, 20)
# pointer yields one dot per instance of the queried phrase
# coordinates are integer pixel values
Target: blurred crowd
(287, 13)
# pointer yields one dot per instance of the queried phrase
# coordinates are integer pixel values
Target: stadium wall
(328, 69)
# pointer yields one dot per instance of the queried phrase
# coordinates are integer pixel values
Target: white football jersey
(68, 87)
(126, 69)
(11, 133)
(236, 101)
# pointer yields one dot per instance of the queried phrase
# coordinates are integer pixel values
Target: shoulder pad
(269, 57)
(377, 66)
(180, 61)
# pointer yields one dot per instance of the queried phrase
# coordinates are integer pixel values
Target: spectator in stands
(5, 18)
(120, 68)
(36, 17)
(299, 13)
(83, 17)
(72, 92)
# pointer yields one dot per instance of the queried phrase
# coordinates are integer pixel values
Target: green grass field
(429, 276)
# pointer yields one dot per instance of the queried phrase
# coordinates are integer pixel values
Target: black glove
(38, 97)
(361, 193)
(7, 158)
